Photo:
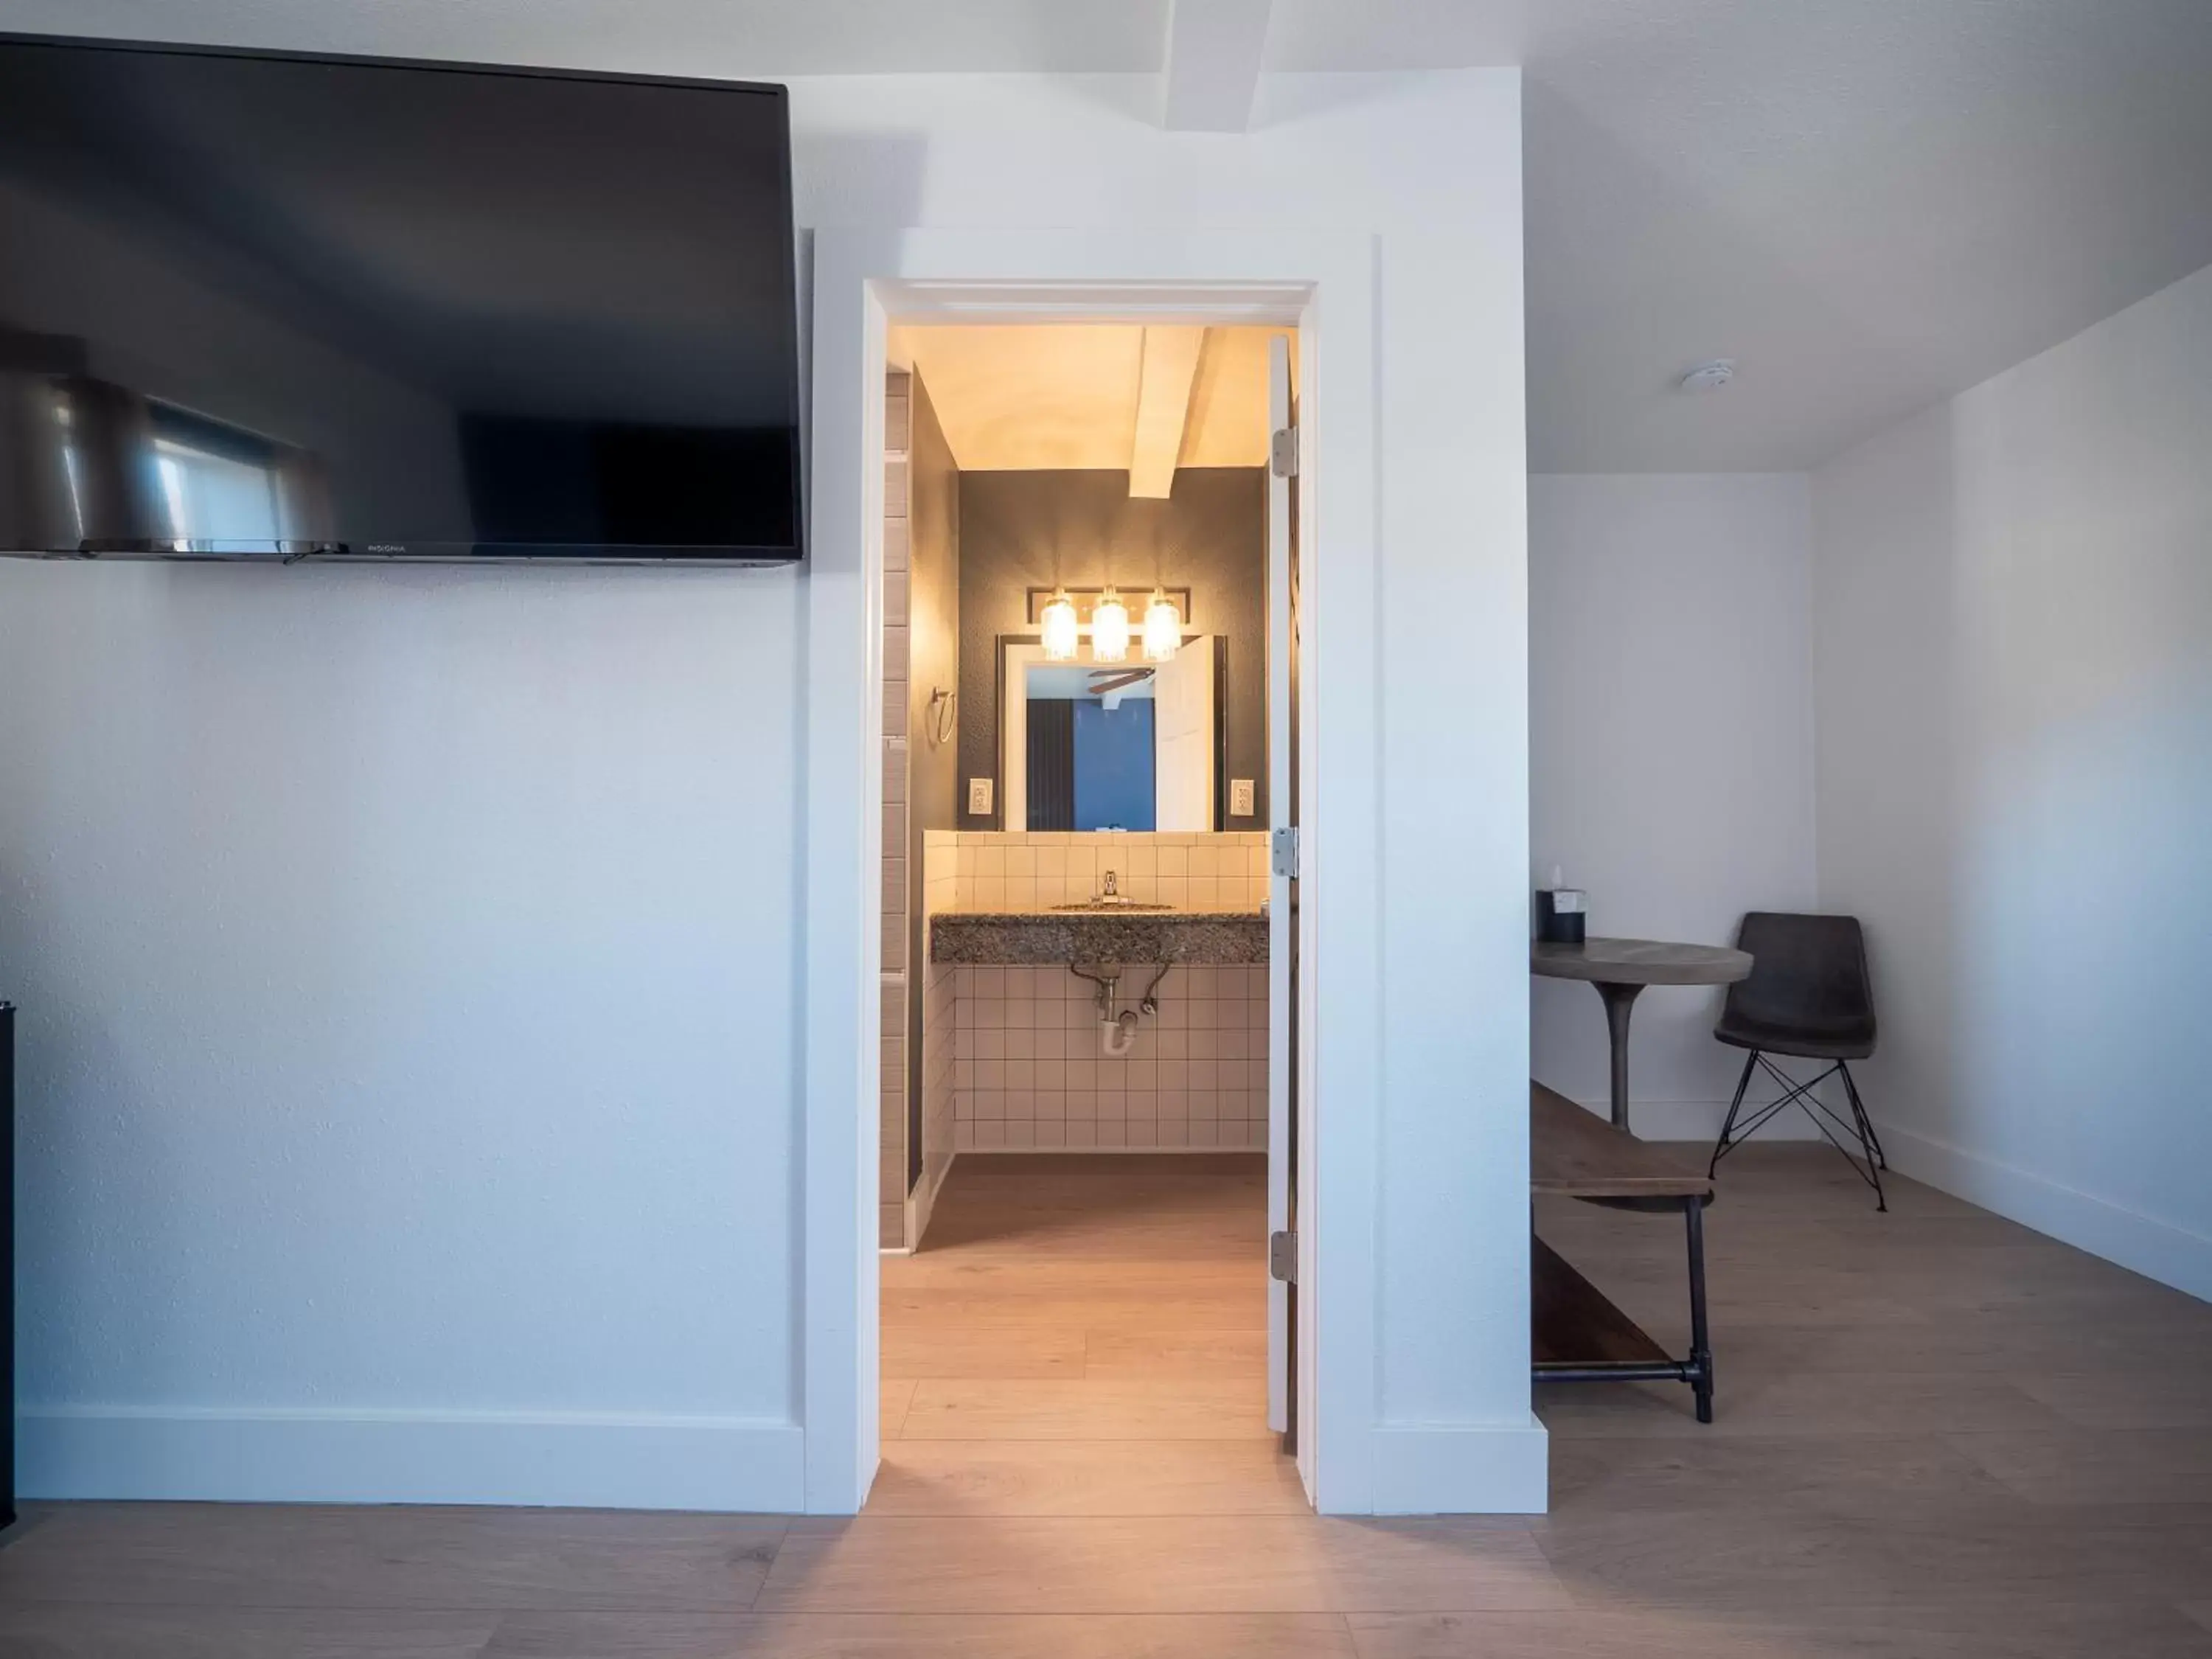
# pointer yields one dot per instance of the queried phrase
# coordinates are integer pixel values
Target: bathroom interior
(1076, 918)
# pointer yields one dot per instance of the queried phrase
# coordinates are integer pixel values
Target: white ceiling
(1065, 395)
(1868, 204)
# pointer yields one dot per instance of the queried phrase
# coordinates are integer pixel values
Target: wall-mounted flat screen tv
(262, 306)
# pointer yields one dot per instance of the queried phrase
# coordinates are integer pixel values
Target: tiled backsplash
(1029, 1072)
(1016, 871)
(940, 871)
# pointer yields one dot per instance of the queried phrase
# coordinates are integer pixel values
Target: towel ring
(942, 718)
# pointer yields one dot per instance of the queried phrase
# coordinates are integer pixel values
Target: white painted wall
(2013, 595)
(407, 1027)
(1670, 762)
(526, 1229)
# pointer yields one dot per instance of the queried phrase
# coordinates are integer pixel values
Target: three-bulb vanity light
(1061, 634)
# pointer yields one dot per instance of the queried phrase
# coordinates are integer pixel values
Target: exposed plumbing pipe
(1117, 1032)
(1149, 1002)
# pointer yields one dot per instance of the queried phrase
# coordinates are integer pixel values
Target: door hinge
(1286, 850)
(1283, 1257)
(1283, 452)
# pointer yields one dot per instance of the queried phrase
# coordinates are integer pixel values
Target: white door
(1282, 893)
(1183, 737)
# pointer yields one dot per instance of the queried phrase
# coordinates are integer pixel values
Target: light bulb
(1162, 628)
(1059, 628)
(1109, 629)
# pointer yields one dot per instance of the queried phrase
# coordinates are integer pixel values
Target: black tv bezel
(703, 555)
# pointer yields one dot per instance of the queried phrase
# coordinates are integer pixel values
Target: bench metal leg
(1701, 1348)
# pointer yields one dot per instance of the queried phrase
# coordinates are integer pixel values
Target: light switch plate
(1240, 797)
(979, 797)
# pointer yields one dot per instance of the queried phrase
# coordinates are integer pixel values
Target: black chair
(1808, 997)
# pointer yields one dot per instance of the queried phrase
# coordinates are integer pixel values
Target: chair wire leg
(1839, 1133)
(1727, 1128)
(1851, 1087)
(1867, 1143)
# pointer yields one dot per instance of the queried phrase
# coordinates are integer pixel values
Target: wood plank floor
(1941, 1437)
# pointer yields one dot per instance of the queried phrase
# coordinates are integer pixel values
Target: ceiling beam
(1170, 364)
(1213, 63)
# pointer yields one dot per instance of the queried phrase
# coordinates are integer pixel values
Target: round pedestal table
(1621, 968)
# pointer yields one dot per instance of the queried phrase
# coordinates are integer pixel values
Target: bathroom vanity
(1090, 992)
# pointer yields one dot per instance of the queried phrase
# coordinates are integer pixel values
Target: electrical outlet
(1240, 797)
(979, 797)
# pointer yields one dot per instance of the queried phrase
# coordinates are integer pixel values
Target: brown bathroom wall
(1040, 529)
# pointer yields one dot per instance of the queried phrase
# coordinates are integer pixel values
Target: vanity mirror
(1088, 745)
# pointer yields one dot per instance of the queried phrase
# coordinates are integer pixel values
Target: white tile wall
(1010, 1056)
(940, 1026)
(1029, 1072)
(1026, 870)
(891, 1152)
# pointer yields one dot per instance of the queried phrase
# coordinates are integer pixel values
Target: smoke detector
(1709, 377)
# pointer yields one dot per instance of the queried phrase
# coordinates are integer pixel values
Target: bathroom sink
(1097, 930)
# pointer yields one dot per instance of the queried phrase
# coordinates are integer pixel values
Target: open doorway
(1086, 1156)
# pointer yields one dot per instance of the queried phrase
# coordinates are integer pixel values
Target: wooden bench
(1580, 1336)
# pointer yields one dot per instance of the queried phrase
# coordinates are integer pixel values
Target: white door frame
(1323, 284)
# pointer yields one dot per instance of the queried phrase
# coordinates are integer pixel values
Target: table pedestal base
(1618, 999)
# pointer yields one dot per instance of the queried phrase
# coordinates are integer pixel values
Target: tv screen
(259, 304)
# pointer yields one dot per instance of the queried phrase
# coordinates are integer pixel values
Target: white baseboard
(1700, 1120)
(303, 1456)
(1502, 1468)
(2157, 1249)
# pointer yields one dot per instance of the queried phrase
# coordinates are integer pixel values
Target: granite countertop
(1041, 938)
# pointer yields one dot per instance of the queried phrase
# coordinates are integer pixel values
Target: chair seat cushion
(1843, 1040)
